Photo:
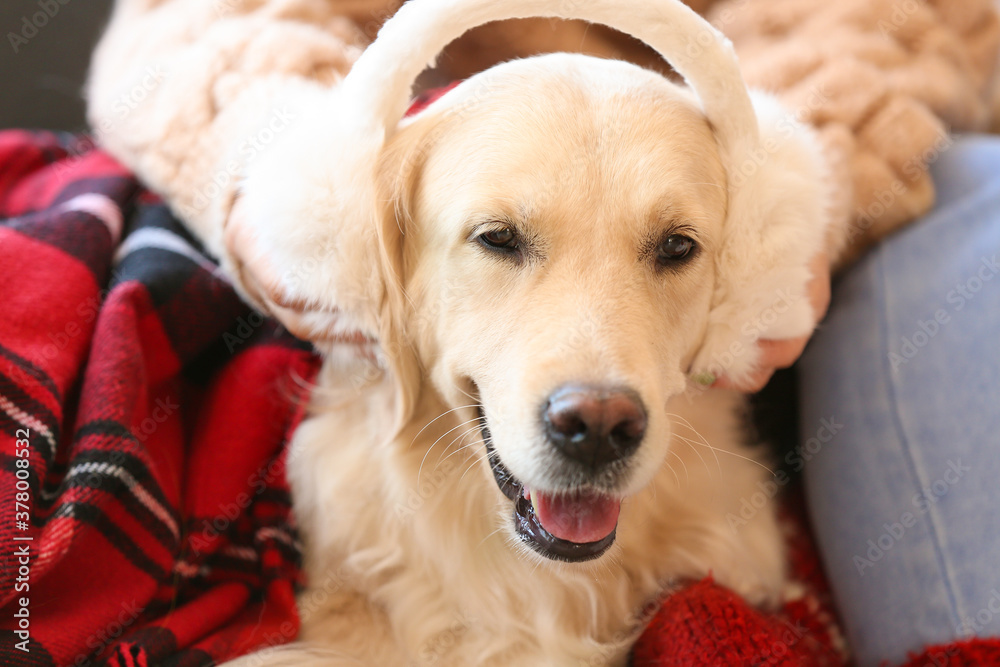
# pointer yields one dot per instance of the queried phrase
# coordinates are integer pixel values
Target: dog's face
(558, 245)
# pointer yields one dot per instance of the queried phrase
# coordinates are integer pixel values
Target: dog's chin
(584, 520)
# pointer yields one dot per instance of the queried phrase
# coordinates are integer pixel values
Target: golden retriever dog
(550, 261)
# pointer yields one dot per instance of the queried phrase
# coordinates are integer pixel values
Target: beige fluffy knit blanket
(177, 86)
(885, 81)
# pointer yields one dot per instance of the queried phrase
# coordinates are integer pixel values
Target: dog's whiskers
(684, 422)
(478, 402)
(687, 475)
(674, 473)
(695, 443)
(438, 441)
(612, 562)
(538, 561)
(724, 451)
(740, 456)
(474, 463)
(459, 438)
(443, 414)
(435, 443)
(483, 541)
(702, 458)
(470, 445)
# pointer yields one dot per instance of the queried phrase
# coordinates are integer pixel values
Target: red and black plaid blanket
(144, 413)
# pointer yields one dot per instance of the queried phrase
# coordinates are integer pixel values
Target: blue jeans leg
(904, 490)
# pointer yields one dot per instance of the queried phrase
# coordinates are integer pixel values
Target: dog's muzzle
(585, 520)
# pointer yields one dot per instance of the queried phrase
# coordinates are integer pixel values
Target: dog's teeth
(526, 492)
(534, 505)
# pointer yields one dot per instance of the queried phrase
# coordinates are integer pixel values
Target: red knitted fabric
(705, 625)
(973, 653)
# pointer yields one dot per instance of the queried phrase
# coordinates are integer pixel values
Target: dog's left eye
(674, 248)
(499, 239)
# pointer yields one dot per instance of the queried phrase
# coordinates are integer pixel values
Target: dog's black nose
(594, 426)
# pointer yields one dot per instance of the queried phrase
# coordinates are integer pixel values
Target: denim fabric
(904, 494)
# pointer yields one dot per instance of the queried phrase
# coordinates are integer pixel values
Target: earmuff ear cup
(780, 195)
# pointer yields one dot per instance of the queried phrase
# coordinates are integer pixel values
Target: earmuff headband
(412, 39)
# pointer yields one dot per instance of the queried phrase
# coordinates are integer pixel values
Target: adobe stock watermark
(441, 643)
(206, 537)
(941, 657)
(315, 598)
(635, 623)
(963, 292)
(978, 622)
(787, 126)
(922, 502)
(753, 330)
(32, 24)
(796, 461)
(100, 640)
(164, 407)
(781, 649)
(426, 487)
(901, 13)
(885, 199)
(131, 99)
(695, 48)
(244, 331)
(123, 105)
(252, 145)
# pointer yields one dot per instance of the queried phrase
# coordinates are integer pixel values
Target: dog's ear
(777, 221)
(397, 174)
(333, 228)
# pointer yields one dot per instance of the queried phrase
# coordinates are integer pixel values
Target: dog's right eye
(503, 239)
(675, 249)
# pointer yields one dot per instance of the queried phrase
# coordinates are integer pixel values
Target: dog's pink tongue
(581, 517)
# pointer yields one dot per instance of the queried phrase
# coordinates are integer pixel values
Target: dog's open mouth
(572, 527)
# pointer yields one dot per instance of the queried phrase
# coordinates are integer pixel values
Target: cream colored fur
(410, 553)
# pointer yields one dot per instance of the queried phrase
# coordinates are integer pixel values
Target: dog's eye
(499, 239)
(674, 248)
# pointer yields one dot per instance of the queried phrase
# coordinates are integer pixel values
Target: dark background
(41, 86)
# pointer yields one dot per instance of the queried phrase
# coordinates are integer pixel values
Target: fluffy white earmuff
(778, 186)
